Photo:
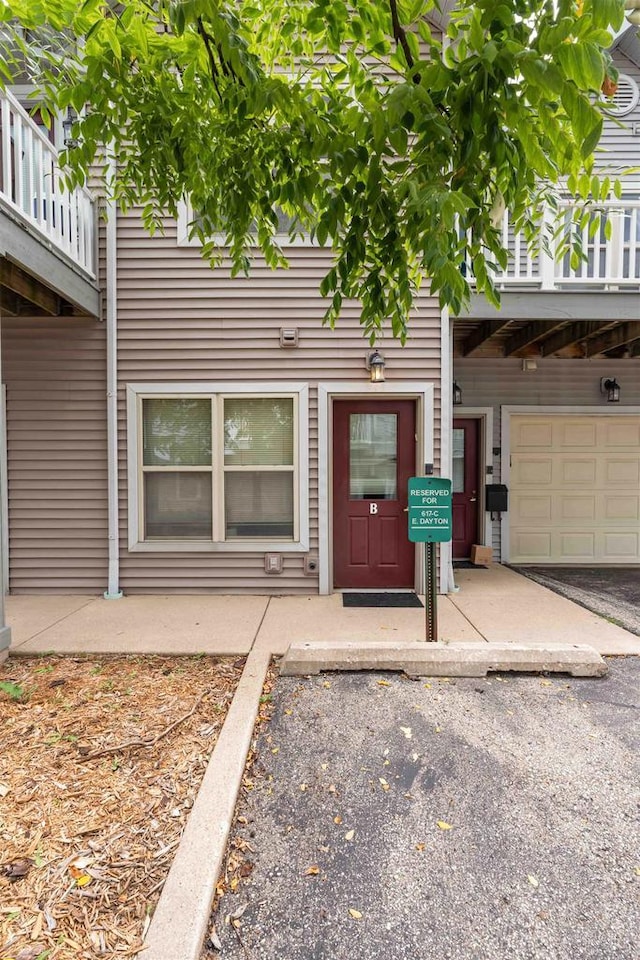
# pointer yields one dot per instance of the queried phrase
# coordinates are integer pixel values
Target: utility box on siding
(497, 497)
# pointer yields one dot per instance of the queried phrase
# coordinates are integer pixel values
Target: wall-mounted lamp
(375, 364)
(457, 395)
(67, 128)
(611, 387)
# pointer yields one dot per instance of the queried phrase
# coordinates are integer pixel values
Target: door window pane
(176, 433)
(177, 505)
(258, 432)
(258, 503)
(457, 475)
(373, 455)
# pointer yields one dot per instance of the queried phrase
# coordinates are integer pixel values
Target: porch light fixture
(375, 364)
(611, 387)
(67, 128)
(457, 395)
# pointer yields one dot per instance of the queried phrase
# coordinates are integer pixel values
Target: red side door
(466, 433)
(374, 454)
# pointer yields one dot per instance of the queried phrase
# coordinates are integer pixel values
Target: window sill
(208, 546)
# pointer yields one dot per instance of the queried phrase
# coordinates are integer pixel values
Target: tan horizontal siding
(179, 320)
(54, 370)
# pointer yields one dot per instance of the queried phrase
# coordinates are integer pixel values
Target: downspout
(113, 591)
(447, 584)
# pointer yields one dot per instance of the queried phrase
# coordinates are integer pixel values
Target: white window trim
(508, 411)
(184, 239)
(137, 392)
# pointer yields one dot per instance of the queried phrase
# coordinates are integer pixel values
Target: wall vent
(625, 99)
(288, 336)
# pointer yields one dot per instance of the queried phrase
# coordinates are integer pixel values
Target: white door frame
(337, 390)
(611, 410)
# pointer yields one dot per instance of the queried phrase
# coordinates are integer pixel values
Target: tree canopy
(394, 143)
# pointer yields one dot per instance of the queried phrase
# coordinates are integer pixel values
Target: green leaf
(605, 13)
(311, 109)
(583, 63)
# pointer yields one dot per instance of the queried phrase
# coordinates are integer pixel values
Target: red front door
(374, 454)
(465, 486)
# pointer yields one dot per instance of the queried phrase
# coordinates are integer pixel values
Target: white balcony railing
(609, 242)
(32, 185)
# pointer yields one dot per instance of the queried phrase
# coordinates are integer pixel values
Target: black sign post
(430, 522)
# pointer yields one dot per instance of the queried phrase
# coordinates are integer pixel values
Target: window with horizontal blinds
(218, 468)
(176, 432)
(258, 432)
(178, 505)
(258, 504)
(258, 467)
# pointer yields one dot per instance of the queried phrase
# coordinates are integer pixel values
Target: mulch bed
(100, 762)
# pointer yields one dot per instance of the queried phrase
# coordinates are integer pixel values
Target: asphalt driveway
(396, 820)
(612, 592)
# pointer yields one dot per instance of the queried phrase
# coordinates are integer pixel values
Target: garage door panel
(621, 547)
(534, 433)
(621, 508)
(625, 435)
(534, 508)
(581, 434)
(576, 508)
(575, 489)
(623, 471)
(577, 546)
(581, 472)
(530, 472)
(534, 547)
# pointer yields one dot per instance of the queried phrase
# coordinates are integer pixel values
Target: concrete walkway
(494, 605)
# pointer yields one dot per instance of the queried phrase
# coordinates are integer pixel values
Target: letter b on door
(373, 508)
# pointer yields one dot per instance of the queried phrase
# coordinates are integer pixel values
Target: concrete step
(421, 659)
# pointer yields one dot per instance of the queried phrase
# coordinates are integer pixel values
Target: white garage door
(575, 489)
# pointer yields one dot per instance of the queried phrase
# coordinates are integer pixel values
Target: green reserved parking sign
(429, 504)
(429, 511)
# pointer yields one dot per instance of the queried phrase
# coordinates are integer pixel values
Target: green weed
(13, 690)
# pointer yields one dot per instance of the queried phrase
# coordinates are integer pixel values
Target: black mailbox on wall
(497, 497)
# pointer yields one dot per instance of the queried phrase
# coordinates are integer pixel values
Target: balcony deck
(603, 249)
(47, 232)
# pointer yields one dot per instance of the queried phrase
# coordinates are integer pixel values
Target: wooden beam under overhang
(614, 337)
(483, 332)
(9, 303)
(569, 335)
(530, 334)
(27, 287)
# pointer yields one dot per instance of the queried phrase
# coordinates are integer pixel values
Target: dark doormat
(381, 600)
(467, 565)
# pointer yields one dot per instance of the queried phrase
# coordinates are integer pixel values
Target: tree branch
(400, 36)
(206, 39)
(151, 742)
